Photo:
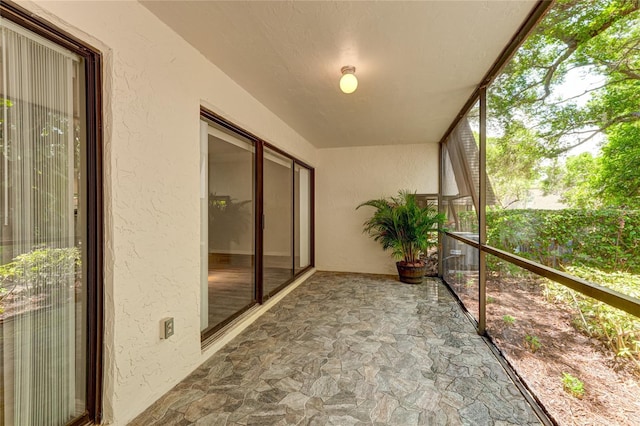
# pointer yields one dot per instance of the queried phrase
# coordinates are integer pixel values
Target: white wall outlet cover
(166, 328)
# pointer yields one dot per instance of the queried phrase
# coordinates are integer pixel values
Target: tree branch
(573, 42)
(513, 202)
(612, 19)
(627, 118)
(553, 68)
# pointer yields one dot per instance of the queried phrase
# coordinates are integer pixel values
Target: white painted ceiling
(417, 62)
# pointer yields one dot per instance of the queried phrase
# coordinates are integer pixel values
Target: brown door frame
(95, 284)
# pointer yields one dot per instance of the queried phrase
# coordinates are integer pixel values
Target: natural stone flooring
(349, 349)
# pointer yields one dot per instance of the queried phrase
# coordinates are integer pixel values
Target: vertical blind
(40, 257)
(462, 166)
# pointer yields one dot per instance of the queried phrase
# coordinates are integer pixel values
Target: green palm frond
(402, 226)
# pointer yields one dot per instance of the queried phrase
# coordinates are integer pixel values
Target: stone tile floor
(350, 349)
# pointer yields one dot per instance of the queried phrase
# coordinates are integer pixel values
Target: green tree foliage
(576, 181)
(619, 173)
(513, 165)
(607, 239)
(41, 268)
(599, 39)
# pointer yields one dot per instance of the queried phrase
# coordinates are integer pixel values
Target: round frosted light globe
(348, 83)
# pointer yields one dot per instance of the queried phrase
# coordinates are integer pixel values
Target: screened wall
(460, 200)
(542, 240)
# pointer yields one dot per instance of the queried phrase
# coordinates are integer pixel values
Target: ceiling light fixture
(348, 81)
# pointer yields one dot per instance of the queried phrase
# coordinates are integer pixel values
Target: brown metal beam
(482, 197)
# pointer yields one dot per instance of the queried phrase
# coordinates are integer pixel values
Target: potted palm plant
(401, 225)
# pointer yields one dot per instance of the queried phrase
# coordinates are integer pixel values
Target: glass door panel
(227, 210)
(278, 221)
(43, 210)
(302, 218)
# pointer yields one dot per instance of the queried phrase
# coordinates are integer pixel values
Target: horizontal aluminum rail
(610, 297)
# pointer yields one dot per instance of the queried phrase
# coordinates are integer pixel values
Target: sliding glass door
(227, 238)
(278, 221)
(247, 260)
(43, 238)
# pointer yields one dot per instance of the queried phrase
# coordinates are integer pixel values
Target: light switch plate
(166, 328)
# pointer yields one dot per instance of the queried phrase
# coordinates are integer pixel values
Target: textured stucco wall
(347, 177)
(154, 85)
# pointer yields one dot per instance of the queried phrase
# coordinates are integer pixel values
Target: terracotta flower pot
(411, 273)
